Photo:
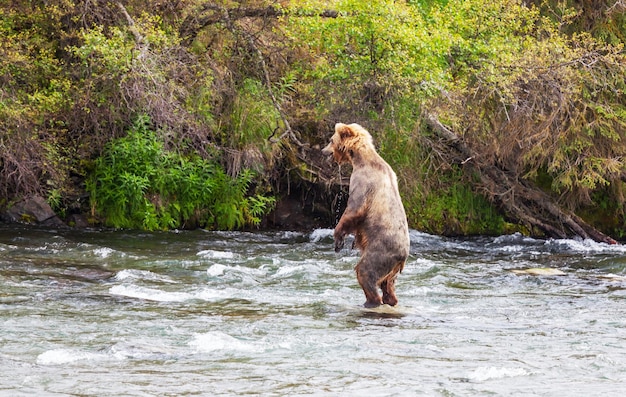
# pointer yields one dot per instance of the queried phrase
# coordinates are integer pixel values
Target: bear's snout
(328, 150)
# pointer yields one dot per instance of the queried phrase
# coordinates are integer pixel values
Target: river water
(115, 313)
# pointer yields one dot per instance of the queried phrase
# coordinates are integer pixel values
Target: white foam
(586, 245)
(421, 263)
(289, 270)
(135, 274)
(514, 238)
(133, 291)
(482, 374)
(212, 254)
(103, 252)
(213, 341)
(417, 236)
(319, 234)
(4, 247)
(151, 294)
(64, 356)
(216, 270)
(44, 248)
(211, 294)
(309, 268)
(140, 349)
(249, 271)
(290, 235)
(414, 235)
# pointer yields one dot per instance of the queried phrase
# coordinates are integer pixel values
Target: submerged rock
(540, 271)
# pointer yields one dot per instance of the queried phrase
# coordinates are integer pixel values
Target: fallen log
(517, 198)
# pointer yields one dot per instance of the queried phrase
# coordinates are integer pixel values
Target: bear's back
(385, 221)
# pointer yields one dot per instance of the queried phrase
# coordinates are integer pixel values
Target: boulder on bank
(32, 210)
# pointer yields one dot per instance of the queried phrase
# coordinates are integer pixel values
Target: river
(117, 313)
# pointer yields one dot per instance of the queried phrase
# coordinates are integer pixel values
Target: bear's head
(347, 140)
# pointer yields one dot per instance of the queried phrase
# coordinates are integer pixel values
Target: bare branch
(139, 39)
(619, 6)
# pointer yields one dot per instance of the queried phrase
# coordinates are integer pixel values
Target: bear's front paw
(338, 244)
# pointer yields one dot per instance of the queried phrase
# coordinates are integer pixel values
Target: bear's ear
(344, 131)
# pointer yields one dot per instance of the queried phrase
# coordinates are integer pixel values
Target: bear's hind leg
(388, 286)
(368, 281)
(389, 293)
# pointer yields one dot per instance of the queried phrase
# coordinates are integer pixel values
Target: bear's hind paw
(371, 305)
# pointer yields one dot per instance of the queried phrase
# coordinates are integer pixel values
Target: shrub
(138, 184)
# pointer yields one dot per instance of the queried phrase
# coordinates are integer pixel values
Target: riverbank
(498, 116)
(289, 213)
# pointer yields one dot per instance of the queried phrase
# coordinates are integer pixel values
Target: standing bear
(374, 214)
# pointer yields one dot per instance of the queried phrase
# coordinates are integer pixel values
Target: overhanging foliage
(535, 88)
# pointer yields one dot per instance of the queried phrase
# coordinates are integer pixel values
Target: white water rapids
(114, 313)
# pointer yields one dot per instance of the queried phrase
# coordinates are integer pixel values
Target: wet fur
(374, 214)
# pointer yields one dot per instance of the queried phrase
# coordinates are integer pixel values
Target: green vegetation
(519, 84)
(138, 184)
(236, 96)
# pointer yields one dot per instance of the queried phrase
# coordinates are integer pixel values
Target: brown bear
(374, 214)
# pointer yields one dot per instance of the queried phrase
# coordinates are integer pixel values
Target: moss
(605, 213)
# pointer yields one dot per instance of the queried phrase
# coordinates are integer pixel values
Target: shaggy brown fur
(374, 215)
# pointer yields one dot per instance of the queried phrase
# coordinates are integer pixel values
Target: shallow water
(103, 313)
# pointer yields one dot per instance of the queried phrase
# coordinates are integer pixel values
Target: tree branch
(211, 13)
(139, 39)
